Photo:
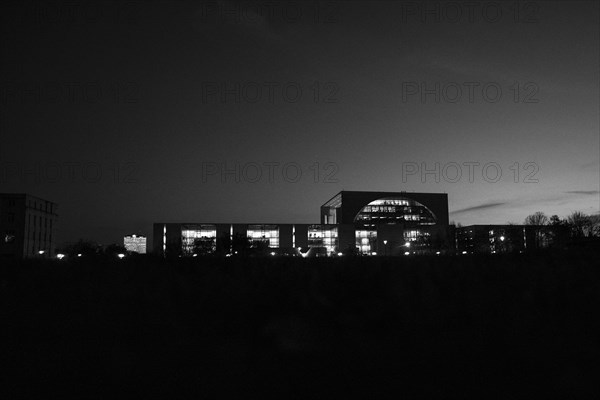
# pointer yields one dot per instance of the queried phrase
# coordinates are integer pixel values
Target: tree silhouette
(114, 249)
(556, 221)
(83, 247)
(537, 218)
(580, 224)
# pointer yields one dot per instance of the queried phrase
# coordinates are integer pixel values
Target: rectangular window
(263, 233)
(199, 239)
(323, 236)
(366, 241)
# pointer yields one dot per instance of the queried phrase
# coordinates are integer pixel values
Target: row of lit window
(368, 217)
(390, 202)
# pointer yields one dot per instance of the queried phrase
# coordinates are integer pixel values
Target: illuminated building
(369, 223)
(498, 239)
(135, 243)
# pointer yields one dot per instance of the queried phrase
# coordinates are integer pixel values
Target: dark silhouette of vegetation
(538, 218)
(115, 249)
(83, 247)
(411, 327)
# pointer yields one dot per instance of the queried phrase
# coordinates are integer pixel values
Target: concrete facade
(28, 226)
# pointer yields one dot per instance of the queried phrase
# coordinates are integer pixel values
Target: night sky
(126, 113)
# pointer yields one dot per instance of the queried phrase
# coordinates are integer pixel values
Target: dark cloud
(478, 208)
(590, 164)
(586, 192)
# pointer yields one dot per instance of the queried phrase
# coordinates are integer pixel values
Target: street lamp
(385, 246)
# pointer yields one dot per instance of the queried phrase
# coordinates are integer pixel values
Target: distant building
(136, 244)
(497, 239)
(368, 223)
(27, 226)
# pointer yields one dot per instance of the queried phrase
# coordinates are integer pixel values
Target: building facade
(497, 239)
(27, 225)
(367, 223)
(135, 243)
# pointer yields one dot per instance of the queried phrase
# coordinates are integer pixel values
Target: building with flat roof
(27, 226)
(368, 223)
(135, 243)
(497, 239)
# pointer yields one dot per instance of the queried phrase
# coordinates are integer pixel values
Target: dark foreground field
(507, 327)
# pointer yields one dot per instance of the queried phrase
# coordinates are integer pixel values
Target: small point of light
(272, 253)
(374, 253)
(60, 256)
(407, 244)
(464, 252)
(502, 238)
(41, 252)
(79, 255)
(228, 255)
(437, 252)
(340, 254)
(406, 253)
(385, 242)
(299, 248)
(195, 255)
(235, 252)
(120, 255)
